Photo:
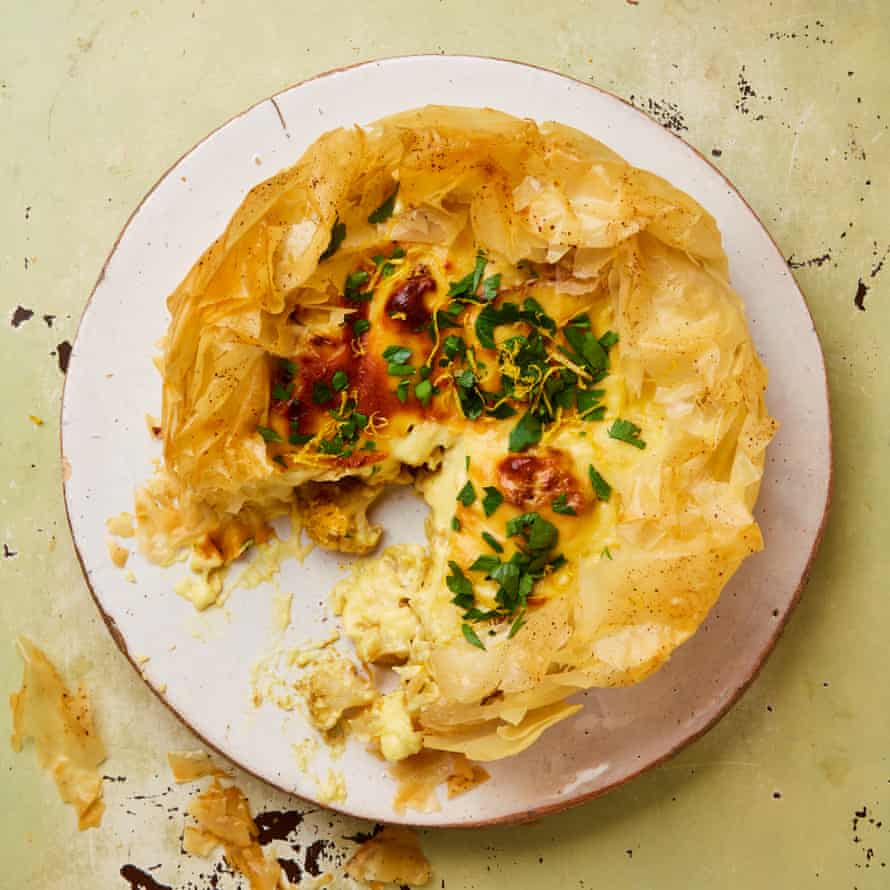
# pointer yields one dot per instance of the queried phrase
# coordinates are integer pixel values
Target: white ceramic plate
(200, 665)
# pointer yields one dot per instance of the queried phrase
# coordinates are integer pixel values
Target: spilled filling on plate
(538, 337)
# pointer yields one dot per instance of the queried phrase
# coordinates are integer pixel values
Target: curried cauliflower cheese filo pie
(540, 338)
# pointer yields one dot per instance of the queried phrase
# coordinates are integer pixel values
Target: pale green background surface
(97, 99)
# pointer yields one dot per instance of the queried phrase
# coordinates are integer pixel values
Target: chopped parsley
(562, 506)
(492, 500)
(282, 393)
(469, 284)
(527, 432)
(469, 395)
(361, 326)
(460, 585)
(490, 287)
(321, 393)
(517, 624)
(298, 438)
(454, 347)
(288, 369)
(338, 233)
(606, 553)
(402, 391)
(340, 381)
(625, 431)
(600, 486)
(492, 317)
(467, 495)
(493, 542)
(384, 211)
(455, 524)
(471, 637)
(397, 354)
(269, 434)
(350, 425)
(352, 289)
(539, 534)
(424, 392)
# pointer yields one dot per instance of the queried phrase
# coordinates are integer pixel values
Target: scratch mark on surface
(274, 101)
(801, 125)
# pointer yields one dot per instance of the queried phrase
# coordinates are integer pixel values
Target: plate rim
(533, 813)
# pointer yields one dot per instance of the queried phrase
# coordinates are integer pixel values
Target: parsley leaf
(455, 524)
(533, 312)
(340, 381)
(490, 287)
(402, 391)
(296, 438)
(338, 233)
(321, 392)
(517, 624)
(352, 290)
(561, 505)
(384, 211)
(606, 553)
(458, 583)
(492, 500)
(468, 394)
(361, 326)
(398, 355)
(586, 349)
(625, 431)
(493, 542)
(288, 368)
(600, 486)
(396, 370)
(454, 346)
(469, 284)
(269, 434)
(608, 340)
(485, 563)
(491, 317)
(470, 636)
(467, 495)
(537, 531)
(527, 432)
(282, 393)
(586, 401)
(424, 392)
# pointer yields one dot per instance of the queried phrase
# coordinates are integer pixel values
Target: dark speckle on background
(746, 94)
(813, 261)
(313, 852)
(141, 880)
(21, 315)
(7, 553)
(292, 870)
(668, 114)
(49, 319)
(63, 354)
(276, 825)
(861, 291)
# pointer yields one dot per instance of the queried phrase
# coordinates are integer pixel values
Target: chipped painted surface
(790, 102)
